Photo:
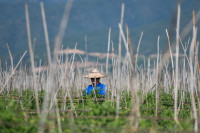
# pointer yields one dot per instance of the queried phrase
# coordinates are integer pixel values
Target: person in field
(95, 76)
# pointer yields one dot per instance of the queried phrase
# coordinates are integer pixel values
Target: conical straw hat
(95, 74)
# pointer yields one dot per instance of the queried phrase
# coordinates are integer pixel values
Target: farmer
(95, 76)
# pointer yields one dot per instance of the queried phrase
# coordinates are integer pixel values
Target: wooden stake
(32, 57)
(196, 50)
(46, 32)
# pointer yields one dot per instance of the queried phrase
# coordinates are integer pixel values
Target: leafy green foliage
(92, 93)
(12, 120)
(92, 115)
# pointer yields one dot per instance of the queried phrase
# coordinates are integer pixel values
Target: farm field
(18, 114)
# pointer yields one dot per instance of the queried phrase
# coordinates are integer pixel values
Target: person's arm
(88, 90)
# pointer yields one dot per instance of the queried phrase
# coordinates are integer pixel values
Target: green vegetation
(92, 115)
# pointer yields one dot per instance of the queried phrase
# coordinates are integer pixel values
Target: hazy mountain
(89, 17)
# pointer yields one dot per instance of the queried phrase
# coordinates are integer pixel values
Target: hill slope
(88, 17)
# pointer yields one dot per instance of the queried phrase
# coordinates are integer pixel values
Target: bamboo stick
(157, 82)
(45, 32)
(63, 26)
(32, 57)
(107, 58)
(177, 75)
(138, 50)
(196, 44)
(170, 54)
(86, 53)
(119, 64)
(11, 57)
(58, 116)
(192, 81)
(130, 45)
(125, 44)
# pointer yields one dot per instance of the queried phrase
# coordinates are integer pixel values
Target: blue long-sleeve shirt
(101, 87)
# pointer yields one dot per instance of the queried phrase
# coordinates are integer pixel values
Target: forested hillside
(88, 17)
